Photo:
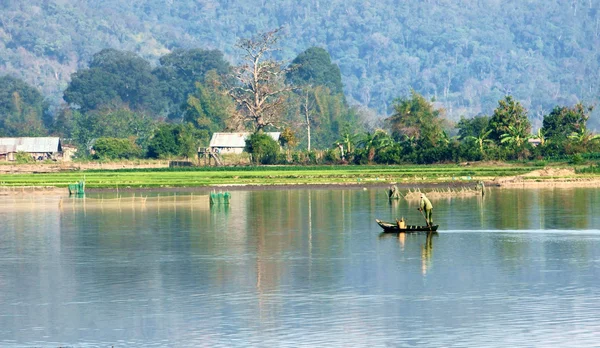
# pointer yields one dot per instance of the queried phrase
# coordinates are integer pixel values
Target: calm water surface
(301, 268)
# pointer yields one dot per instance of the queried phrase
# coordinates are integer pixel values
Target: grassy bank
(276, 175)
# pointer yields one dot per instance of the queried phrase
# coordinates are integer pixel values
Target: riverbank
(57, 167)
(547, 178)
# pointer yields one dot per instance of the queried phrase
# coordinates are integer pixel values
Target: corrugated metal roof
(235, 139)
(24, 144)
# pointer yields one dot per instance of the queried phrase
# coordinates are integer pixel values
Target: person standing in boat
(426, 207)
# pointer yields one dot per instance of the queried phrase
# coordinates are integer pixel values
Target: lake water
(300, 268)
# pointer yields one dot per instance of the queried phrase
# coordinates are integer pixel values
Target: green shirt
(425, 203)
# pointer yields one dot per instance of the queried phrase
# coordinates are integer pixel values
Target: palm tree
(481, 140)
(367, 141)
(541, 135)
(382, 140)
(373, 142)
(516, 138)
(583, 138)
(347, 141)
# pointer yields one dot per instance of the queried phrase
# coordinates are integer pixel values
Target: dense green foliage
(331, 76)
(313, 67)
(472, 127)
(563, 121)
(208, 107)
(85, 128)
(415, 118)
(593, 169)
(467, 54)
(262, 147)
(173, 141)
(115, 78)
(325, 113)
(116, 148)
(181, 69)
(22, 109)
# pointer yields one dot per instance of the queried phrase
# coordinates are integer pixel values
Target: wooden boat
(392, 227)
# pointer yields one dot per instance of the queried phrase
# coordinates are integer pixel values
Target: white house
(40, 148)
(234, 142)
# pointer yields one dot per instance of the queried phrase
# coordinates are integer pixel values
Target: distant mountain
(467, 54)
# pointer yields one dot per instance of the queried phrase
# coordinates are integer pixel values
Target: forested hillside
(467, 54)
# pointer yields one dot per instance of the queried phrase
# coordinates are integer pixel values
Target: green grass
(592, 169)
(269, 175)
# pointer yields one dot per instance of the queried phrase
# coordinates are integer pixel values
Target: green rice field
(263, 175)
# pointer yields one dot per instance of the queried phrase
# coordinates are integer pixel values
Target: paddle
(427, 222)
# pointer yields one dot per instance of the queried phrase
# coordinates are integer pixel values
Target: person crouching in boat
(426, 207)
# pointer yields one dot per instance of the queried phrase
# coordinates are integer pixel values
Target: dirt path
(60, 167)
(547, 177)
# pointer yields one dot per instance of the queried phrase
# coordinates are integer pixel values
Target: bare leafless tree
(307, 106)
(260, 92)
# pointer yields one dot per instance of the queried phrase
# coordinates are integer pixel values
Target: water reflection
(426, 253)
(419, 241)
(300, 268)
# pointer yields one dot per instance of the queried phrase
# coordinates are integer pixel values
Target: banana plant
(583, 137)
(481, 140)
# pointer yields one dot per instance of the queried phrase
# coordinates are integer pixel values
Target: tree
(480, 140)
(325, 115)
(582, 139)
(307, 109)
(114, 78)
(261, 88)
(509, 113)
(172, 141)
(516, 137)
(314, 67)
(22, 109)
(181, 70)
(472, 127)
(287, 138)
(563, 121)
(64, 122)
(119, 122)
(541, 136)
(116, 148)
(263, 148)
(416, 117)
(209, 107)
(371, 143)
(346, 143)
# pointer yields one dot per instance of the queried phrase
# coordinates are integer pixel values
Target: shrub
(312, 157)
(116, 148)
(331, 156)
(263, 148)
(298, 157)
(577, 159)
(592, 169)
(24, 157)
(173, 140)
(282, 158)
(389, 155)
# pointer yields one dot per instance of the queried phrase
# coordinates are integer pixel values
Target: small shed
(534, 141)
(234, 142)
(40, 148)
